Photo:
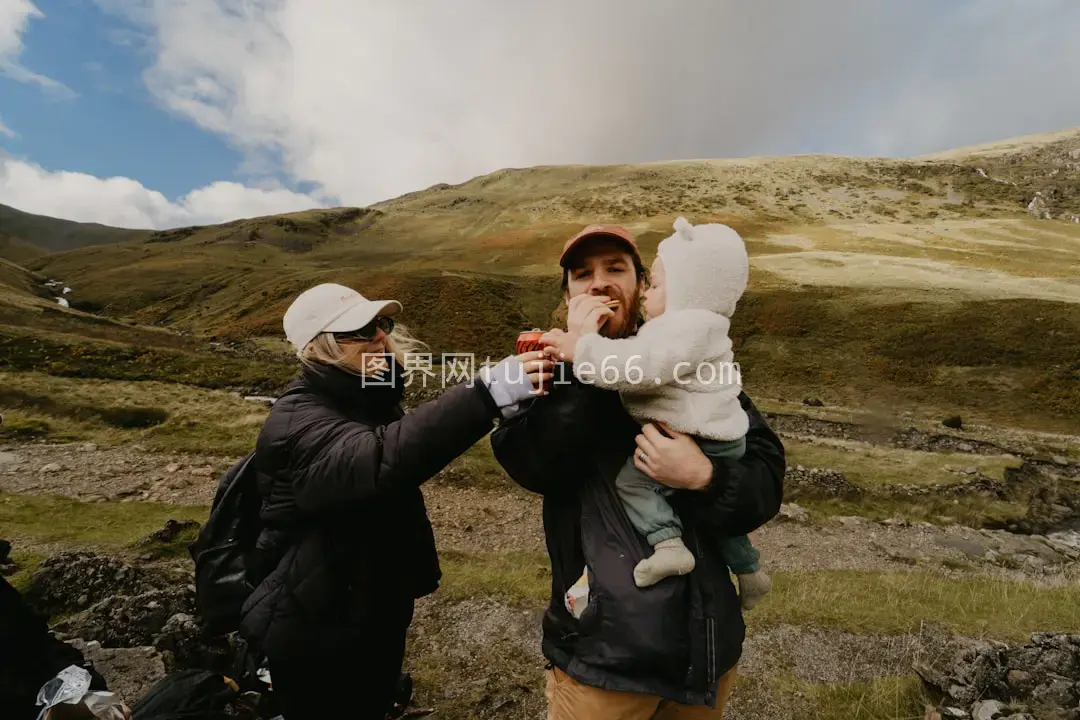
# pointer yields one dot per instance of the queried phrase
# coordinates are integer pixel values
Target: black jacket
(30, 655)
(676, 638)
(340, 466)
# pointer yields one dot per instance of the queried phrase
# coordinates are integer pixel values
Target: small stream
(53, 287)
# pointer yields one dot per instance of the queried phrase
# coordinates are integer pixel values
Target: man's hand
(586, 313)
(560, 343)
(674, 461)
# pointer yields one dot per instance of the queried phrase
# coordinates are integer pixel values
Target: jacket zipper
(710, 642)
(710, 638)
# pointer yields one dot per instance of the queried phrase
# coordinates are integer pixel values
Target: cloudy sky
(162, 113)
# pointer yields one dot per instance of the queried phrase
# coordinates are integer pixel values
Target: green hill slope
(18, 251)
(922, 281)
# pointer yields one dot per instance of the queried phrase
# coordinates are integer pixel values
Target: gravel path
(128, 473)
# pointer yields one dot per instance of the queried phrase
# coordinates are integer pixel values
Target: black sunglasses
(368, 332)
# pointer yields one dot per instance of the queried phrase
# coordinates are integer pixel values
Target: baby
(678, 370)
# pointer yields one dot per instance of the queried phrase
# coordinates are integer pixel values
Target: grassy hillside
(15, 280)
(915, 282)
(54, 235)
(38, 335)
(17, 251)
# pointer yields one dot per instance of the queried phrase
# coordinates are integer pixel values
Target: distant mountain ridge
(1003, 175)
(51, 234)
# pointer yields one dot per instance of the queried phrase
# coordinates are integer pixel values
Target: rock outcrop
(1040, 679)
(129, 620)
(819, 482)
(137, 621)
(73, 582)
(1038, 208)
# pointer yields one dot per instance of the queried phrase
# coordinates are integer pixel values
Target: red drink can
(529, 341)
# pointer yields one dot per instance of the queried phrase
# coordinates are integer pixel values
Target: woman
(349, 546)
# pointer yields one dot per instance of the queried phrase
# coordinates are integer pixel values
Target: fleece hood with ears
(706, 268)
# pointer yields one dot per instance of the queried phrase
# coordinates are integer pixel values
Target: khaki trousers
(570, 700)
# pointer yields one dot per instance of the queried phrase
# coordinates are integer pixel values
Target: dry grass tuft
(896, 603)
(162, 417)
(110, 526)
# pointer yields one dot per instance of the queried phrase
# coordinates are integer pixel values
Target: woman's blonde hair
(325, 350)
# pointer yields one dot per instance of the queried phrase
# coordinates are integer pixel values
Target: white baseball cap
(331, 308)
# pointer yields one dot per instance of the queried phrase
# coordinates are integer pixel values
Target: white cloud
(15, 17)
(6, 131)
(368, 99)
(123, 202)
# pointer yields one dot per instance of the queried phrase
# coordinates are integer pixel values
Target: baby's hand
(561, 342)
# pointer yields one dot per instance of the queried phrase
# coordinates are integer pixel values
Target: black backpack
(187, 695)
(222, 551)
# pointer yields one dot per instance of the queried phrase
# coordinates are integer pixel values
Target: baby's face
(656, 295)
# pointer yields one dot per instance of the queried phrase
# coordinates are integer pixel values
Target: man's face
(604, 267)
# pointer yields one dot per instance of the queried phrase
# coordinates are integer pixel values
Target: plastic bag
(67, 696)
(105, 705)
(577, 597)
(69, 686)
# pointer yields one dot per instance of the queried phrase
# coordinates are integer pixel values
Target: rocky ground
(507, 518)
(992, 680)
(134, 618)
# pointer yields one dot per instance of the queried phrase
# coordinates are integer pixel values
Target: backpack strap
(295, 390)
(292, 528)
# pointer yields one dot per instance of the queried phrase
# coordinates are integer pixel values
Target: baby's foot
(670, 557)
(753, 587)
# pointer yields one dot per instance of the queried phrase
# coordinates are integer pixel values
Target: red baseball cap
(617, 232)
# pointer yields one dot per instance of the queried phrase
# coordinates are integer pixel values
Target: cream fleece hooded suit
(662, 373)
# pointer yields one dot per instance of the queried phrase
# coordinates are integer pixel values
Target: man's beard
(625, 321)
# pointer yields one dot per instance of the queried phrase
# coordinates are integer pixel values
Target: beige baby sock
(753, 587)
(670, 557)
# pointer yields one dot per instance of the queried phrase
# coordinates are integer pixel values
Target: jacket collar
(353, 391)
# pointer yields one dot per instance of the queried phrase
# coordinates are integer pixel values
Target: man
(666, 651)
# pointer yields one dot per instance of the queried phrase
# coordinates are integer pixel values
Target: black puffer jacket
(676, 638)
(30, 655)
(340, 467)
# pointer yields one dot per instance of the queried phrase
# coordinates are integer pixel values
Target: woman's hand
(538, 368)
(586, 313)
(674, 461)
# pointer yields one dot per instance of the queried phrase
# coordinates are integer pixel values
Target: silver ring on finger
(643, 457)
